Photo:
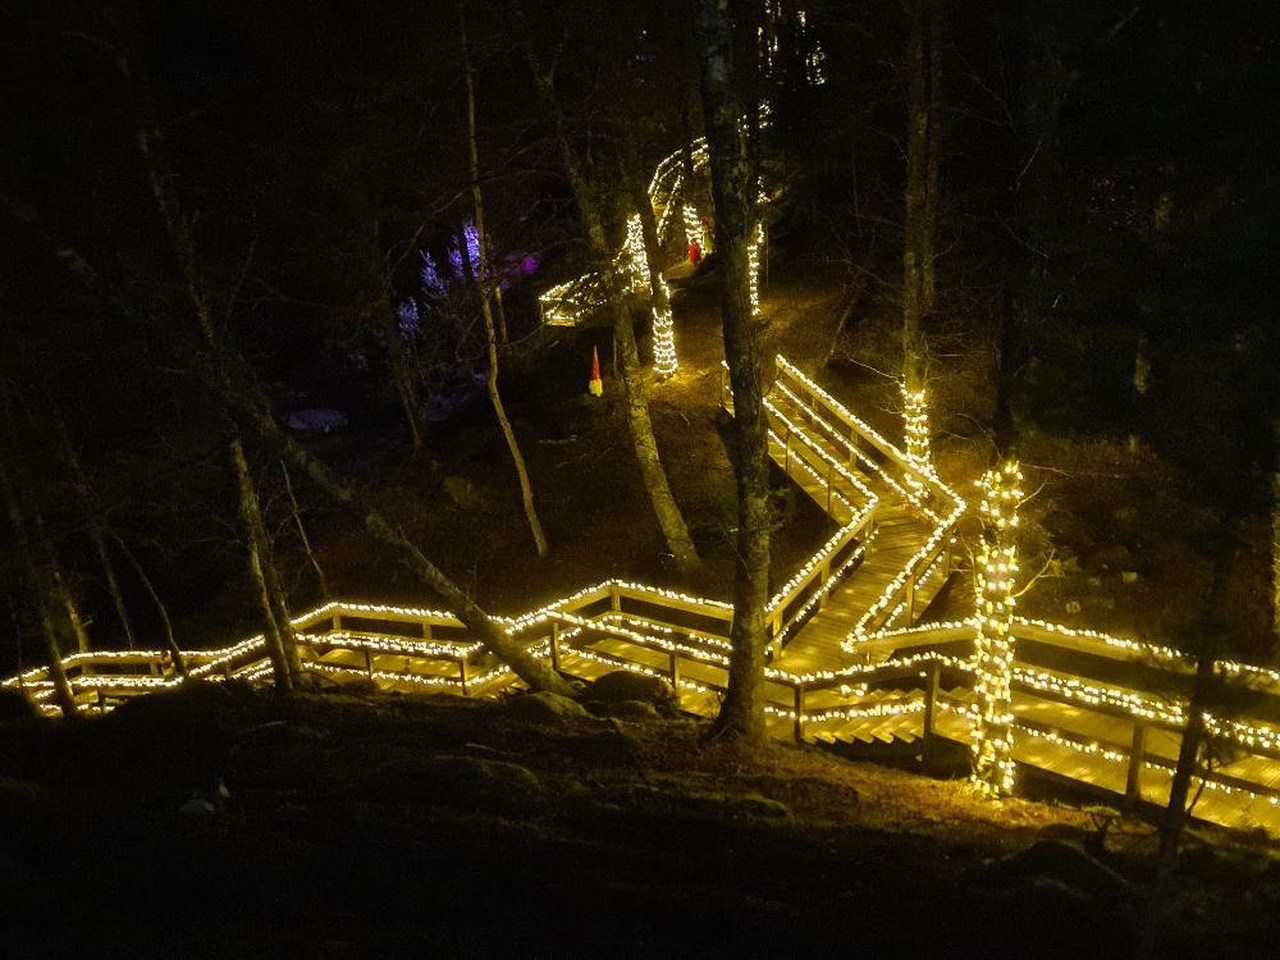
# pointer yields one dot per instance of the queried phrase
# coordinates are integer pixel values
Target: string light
(634, 258)
(665, 362)
(693, 226)
(992, 736)
(434, 663)
(915, 416)
(753, 267)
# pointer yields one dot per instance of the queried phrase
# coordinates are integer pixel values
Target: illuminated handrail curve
(423, 648)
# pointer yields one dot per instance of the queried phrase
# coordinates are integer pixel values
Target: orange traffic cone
(595, 386)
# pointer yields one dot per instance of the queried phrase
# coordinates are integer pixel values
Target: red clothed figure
(695, 252)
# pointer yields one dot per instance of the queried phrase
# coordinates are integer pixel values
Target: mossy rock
(461, 782)
(626, 710)
(1066, 863)
(623, 685)
(545, 707)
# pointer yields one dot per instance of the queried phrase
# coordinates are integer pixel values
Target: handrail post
(426, 629)
(1137, 757)
(830, 470)
(555, 645)
(928, 747)
(615, 598)
(673, 660)
(786, 455)
(337, 622)
(799, 708)
(911, 601)
(462, 674)
(368, 663)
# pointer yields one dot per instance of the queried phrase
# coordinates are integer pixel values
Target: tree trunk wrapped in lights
(920, 225)
(642, 241)
(993, 654)
(753, 267)
(693, 225)
(915, 415)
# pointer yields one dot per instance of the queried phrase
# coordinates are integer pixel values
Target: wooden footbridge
(850, 661)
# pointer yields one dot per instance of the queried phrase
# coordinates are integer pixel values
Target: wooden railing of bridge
(618, 624)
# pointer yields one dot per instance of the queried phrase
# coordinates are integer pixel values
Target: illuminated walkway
(849, 663)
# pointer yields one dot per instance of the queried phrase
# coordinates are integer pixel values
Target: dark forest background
(1109, 189)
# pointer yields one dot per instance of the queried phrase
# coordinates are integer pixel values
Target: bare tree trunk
(41, 594)
(500, 316)
(255, 537)
(253, 410)
(920, 224)
(482, 287)
(1275, 527)
(404, 370)
(674, 529)
(403, 375)
(1176, 814)
(733, 190)
(66, 598)
(92, 514)
(280, 639)
(113, 583)
(53, 656)
(933, 147)
(171, 642)
(1141, 386)
(302, 532)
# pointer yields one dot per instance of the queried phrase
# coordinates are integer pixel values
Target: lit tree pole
(920, 224)
(993, 652)
(646, 252)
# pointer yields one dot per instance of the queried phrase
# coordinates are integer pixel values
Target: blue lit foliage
(438, 321)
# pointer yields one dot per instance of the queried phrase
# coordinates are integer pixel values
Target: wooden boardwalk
(847, 667)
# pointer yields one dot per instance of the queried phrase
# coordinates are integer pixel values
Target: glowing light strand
(992, 737)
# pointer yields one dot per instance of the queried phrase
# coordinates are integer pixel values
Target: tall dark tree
(488, 291)
(674, 528)
(920, 225)
(733, 187)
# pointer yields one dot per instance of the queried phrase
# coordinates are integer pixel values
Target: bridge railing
(868, 449)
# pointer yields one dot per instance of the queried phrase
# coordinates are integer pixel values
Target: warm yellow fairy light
(753, 267)
(665, 362)
(635, 257)
(669, 208)
(693, 226)
(436, 663)
(993, 766)
(915, 415)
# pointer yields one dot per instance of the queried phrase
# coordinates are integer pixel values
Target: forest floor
(360, 824)
(1108, 534)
